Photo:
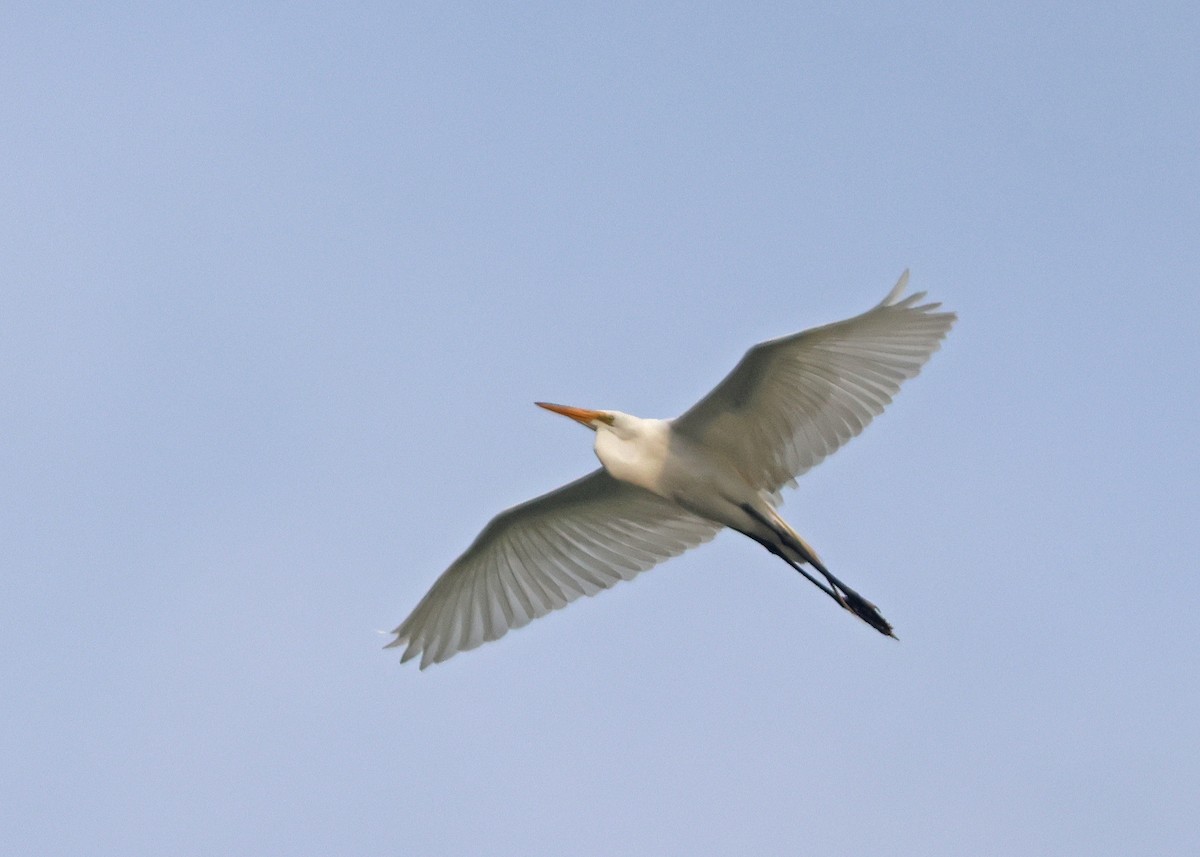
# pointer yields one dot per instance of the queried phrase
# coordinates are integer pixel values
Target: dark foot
(868, 612)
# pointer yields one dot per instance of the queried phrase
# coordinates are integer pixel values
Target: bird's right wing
(543, 554)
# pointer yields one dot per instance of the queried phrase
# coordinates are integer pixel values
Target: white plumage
(669, 485)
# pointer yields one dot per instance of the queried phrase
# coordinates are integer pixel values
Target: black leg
(838, 591)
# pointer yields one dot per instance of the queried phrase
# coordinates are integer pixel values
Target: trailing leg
(838, 591)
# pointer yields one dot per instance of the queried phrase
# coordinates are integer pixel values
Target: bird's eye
(606, 418)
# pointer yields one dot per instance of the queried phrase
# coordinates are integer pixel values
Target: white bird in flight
(668, 485)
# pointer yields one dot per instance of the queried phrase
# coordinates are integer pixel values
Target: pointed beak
(580, 415)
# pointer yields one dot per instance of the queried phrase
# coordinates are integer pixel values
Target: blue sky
(281, 285)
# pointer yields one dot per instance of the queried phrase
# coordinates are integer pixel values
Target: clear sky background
(280, 285)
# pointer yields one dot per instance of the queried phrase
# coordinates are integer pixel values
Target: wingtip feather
(897, 290)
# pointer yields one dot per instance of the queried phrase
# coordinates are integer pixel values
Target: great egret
(669, 485)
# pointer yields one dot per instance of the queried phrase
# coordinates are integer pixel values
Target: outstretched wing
(790, 402)
(543, 554)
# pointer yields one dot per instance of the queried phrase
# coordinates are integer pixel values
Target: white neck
(634, 450)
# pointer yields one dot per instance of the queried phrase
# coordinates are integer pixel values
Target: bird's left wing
(543, 554)
(792, 401)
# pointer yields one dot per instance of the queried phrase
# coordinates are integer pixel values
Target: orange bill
(580, 415)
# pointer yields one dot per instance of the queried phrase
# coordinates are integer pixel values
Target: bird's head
(591, 419)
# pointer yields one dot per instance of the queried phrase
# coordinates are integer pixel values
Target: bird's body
(650, 454)
(668, 485)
